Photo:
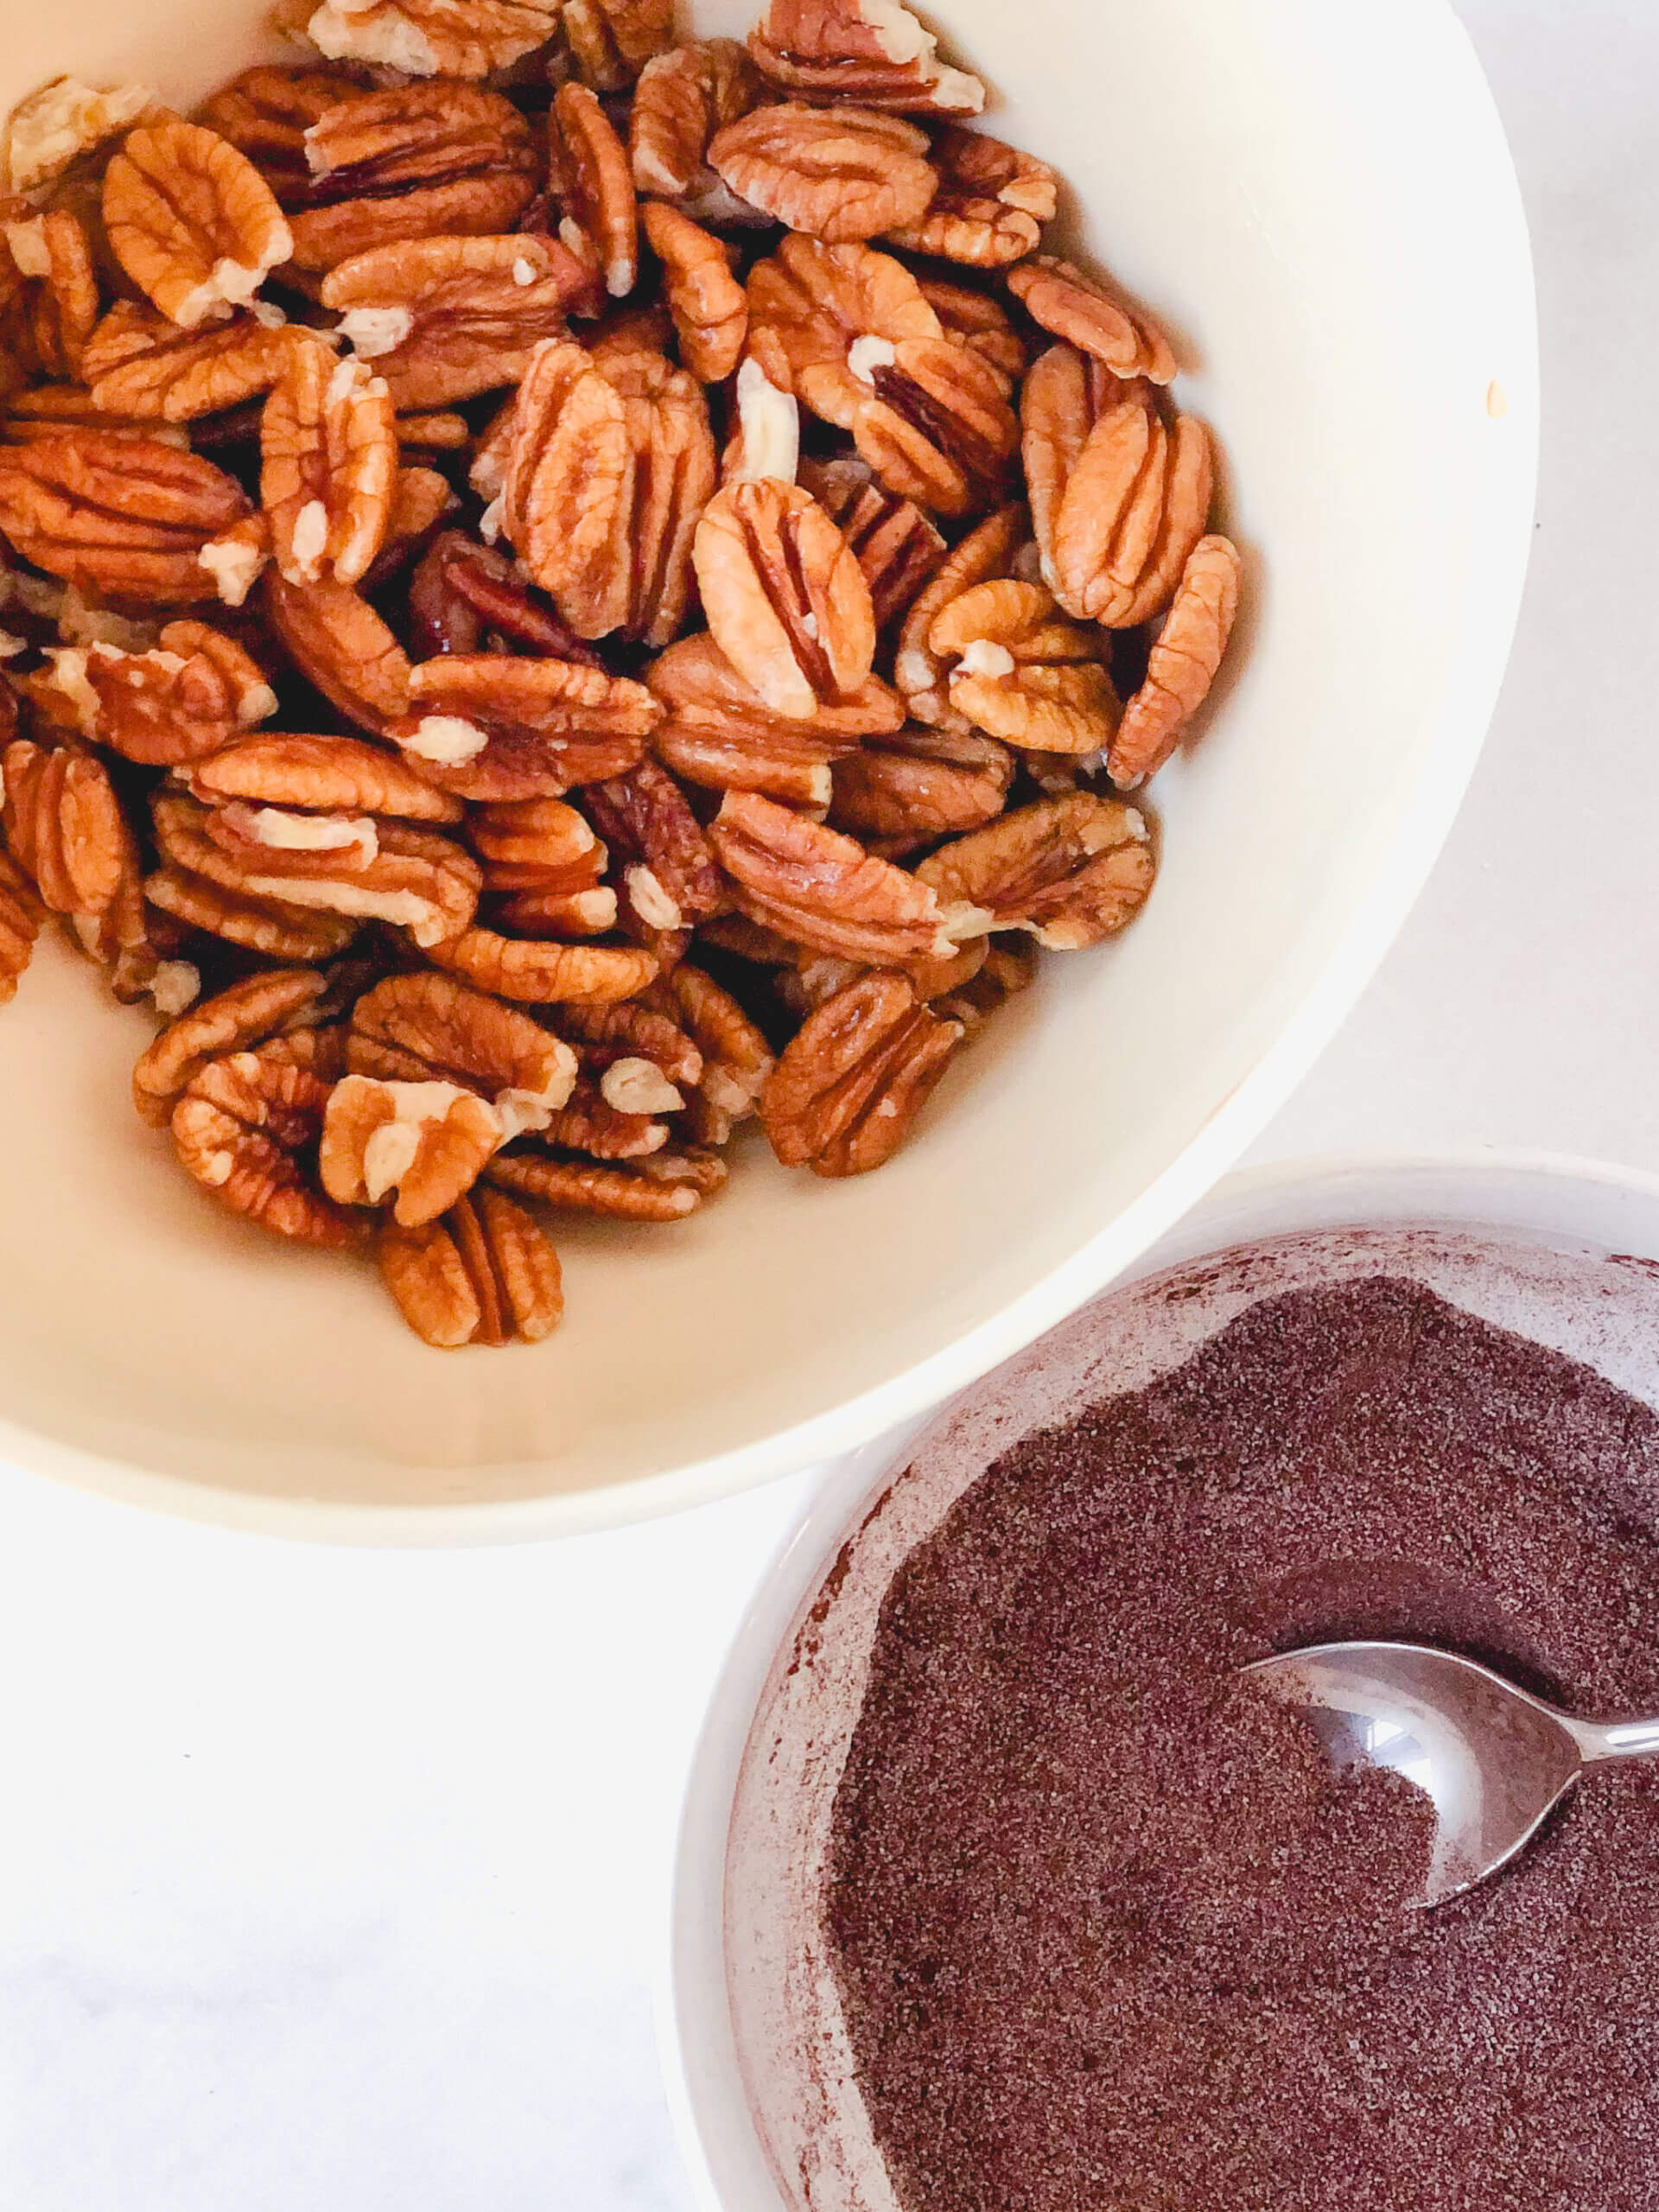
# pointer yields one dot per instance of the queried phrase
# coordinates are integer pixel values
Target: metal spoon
(1493, 1759)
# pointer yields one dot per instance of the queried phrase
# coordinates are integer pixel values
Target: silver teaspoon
(1493, 1759)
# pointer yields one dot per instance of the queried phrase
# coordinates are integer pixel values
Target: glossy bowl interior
(1319, 204)
(754, 2041)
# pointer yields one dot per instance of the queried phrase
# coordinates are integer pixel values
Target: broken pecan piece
(872, 51)
(328, 449)
(682, 100)
(123, 516)
(192, 221)
(590, 171)
(721, 734)
(1023, 673)
(183, 699)
(433, 38)
(54, 126)
(425, 1141)
(484, 1274)
(821, 889)
(991, 205)
(709, 307)
(1183, 663)
(247, 1128)
(445, 319)
(835, 173)
(139, 364)
(786, 600)
(494, 729)
(246, 1014)
(920, 785)
(420, 161)
(1071, 871)
(1090, 313)
(340, 643)
(847, 1092)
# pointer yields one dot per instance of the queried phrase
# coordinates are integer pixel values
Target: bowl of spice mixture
(1001, 1885)
(713, 698)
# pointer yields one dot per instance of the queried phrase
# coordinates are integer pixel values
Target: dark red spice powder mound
(1111, 1936)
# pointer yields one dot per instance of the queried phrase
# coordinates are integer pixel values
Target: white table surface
(333, 1882)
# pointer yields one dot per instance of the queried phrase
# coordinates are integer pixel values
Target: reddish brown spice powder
(1112, 1937)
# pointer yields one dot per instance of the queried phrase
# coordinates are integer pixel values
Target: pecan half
(786, 600)
(447, 318)
(66, 830)
(265, 113)
(835, 173)
(670, 881)
(640, 1053)
(433, 38)
(543, 865)
(585, 1186)
(1071, 871)
(431, 1028)
(1023, 673)
(139, 364)
(484, 1274)
(329, 775)
(340, 643)
(682, 100)
(736, 1057)
(464, 593)
(590, 171)
(328, 448)
(185, 698)
(63, 120)
(125, 516)
(821, 889)
(721, 734)
(920, 785)
(537, 972)
(494, 729)
(247, 1128)
(22, 913)
(192, 221)
(991, 205)
(709, 307)
(873, 51)
(894, 542)
(421, 160)
(922, 675)
(1090, 313)
(1118, 501)
(246, 1014)
(270, 926)
(1183, 663)
(49, 291)
(847, 1090)
(425, 1141)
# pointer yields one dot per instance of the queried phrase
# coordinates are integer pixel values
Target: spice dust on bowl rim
(1561, 1256)
(1253, 195)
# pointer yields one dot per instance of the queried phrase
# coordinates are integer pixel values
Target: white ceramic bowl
(1319, 204)
(752, 2041)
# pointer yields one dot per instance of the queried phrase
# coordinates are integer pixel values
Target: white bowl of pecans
(618, 617)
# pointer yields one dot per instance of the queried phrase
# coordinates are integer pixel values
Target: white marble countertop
(333, 1882)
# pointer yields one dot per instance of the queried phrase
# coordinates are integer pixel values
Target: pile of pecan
(567, 591)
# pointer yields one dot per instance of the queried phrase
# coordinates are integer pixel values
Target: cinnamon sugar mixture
(1111, 1935)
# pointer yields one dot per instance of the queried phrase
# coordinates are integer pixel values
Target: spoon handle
(1617, 1739)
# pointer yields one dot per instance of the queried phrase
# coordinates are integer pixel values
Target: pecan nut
(247, 1015)
(537, 972)
(585, 1186)
(835, 173)
(991, 205)
(340, 643)
(247, 1128)
(268, 926)
(329, 452)
(980, 323)
(1023, 673)
(819, 888)
(669, 880)
(1071, 871)
(125, 516)
(611, 41)
(236, 558)
(66, 830)
(872, 51)
(322, 775)
(484, 1274)
(588, 167)
(847, 1092)
(433, 38)
(895, 544)
(190, 693)
(464, 593)
(426, 1143)
(922, 675)
(22, 913)
(921, 786)
(140, 365)
(497, 729)
(682, 99)
(431, 1028)
(63, 120)
(421, 160)
(265, 113)
(1092, 315)
(709, 307)
(192, 221)
(1182, 665)
(721, 734)
(786, 598)
(736, 1057)
(445, 319)
(49, 291)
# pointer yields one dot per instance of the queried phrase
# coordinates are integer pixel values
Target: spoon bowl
(1492, 1759)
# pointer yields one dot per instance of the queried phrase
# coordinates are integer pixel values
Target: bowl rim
(1501, 533)
(1475, 1187)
